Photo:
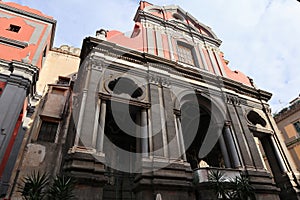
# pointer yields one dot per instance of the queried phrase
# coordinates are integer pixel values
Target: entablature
(173, 69)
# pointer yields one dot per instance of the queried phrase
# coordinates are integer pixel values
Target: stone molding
(26, 13)
(234, 100)
(12, 42)
(159, 80)
(19, 73)
(168, 66)
(120, 99)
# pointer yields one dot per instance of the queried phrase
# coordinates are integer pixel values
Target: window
(48, 131)
(185, 54)
(63, 81)
(255, 119)
(297, 126)
(14, 28)
(124, 85)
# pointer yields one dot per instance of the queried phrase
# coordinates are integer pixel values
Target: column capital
(159, 80)
(232, 99)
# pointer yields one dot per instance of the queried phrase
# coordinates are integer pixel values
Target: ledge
(12, 42)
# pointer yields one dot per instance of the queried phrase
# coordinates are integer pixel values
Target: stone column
(89, 89)
(155, 121)
(172, 140)
(96, 124)
(100, 136)
(150, 139)
(250, 139)
(144, 133)
(240, 137)
(232, 148)
(163, 123)
(278, 155)
(180, 137)
(224, 152)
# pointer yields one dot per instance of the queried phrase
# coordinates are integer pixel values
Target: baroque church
(149, 115)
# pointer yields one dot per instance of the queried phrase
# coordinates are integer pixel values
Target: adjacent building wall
(51, 106)
(26, 35)
(288, 122)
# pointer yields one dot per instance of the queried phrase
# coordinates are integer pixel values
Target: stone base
(264, 185)
(173, 182)
(88, 170)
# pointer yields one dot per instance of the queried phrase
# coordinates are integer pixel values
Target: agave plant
(242, 189)
(217, 181)
(238, 188)
(35, 186)
(61, 189)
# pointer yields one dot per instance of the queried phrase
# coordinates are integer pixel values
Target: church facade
(151, 114)
(159, 109)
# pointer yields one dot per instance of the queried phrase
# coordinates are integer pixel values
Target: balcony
(201, 174)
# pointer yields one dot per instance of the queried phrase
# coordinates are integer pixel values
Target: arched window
(127, 86)
(255, 118)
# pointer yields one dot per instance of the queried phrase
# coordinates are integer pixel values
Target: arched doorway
(202, 125)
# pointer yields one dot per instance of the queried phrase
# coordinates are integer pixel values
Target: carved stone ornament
(232, 100)
(158, 80)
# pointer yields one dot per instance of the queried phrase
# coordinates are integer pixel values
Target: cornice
(18, 80)
(172, 67)
(286, 113)
(130, 101)
(246, 90)
(15, 68)
(12, 42)
(26, 13)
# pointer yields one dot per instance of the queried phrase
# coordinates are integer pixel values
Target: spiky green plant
(237, 188)
(61, 189)
(35, 186)
(218, 184)
(242, 189)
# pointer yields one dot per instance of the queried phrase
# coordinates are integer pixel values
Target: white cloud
(259, 36)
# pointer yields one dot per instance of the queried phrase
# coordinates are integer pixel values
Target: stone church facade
(151, 114)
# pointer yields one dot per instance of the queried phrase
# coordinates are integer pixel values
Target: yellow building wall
(63, 61)
(290, 130)
(295, 151)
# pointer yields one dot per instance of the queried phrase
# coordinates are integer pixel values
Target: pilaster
(238, 131)
(156, 118)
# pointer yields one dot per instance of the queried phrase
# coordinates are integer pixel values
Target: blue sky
(260, 37)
